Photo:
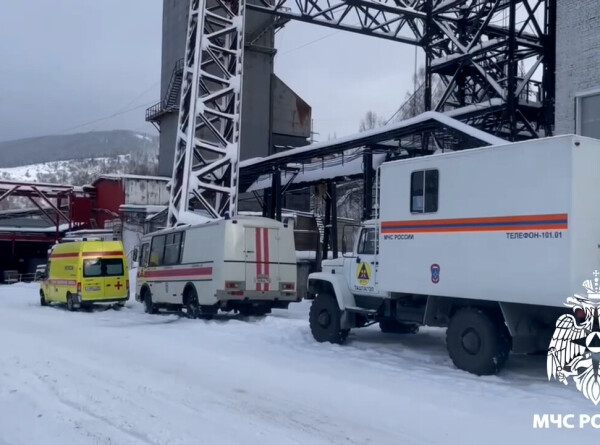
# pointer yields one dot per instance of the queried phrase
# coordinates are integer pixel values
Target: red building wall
(110, 195)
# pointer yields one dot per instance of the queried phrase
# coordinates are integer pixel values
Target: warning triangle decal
(363, 274)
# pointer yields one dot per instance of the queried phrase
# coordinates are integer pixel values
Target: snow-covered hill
(80, 171)
(96, 144)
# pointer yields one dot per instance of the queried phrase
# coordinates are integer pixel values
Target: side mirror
(135, 254)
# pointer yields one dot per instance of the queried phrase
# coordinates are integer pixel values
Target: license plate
(92, 289)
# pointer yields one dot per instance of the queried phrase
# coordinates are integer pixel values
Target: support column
(368, 184)
(549, 77)
(275, 210)
(332, 192)
(428, 53)
(511, 99)
(327, 224)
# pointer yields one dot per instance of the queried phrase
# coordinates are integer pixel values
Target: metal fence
(13, 276)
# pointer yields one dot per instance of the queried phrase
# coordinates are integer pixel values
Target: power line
(310, 43)
(118, 113)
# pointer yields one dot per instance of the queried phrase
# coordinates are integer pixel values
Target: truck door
(115, 281)
(262, 259)
(364, 278)
(93, 281)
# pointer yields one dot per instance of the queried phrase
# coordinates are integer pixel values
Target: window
(588, 114)
(105, 267)
(367, 245)
(157, 251)
(92, 268)
(424, 191)
(144, 255)
(112, 267)
(173, 248)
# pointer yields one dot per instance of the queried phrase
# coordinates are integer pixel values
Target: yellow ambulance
(85, 272)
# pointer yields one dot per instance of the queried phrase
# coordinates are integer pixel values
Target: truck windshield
(103, 267)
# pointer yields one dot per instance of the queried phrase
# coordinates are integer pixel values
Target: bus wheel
(192, 307)
(149, 307)
(43, 301)
(70, 303)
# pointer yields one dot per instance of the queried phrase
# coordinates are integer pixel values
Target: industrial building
(578, 68)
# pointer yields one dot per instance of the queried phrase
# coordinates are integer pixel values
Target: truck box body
(512, 223)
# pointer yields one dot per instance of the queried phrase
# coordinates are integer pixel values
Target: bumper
(255, 295)
(80, 300)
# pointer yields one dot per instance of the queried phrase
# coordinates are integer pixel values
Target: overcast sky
(65, 63)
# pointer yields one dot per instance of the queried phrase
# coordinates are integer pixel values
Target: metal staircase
(170, 103)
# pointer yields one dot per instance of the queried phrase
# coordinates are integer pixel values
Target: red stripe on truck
(177, 273)
(258, 249)
(266, 255)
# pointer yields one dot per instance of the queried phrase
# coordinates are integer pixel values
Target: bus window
(157, 251)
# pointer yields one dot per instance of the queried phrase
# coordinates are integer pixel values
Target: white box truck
(244, 264)
(487, 242)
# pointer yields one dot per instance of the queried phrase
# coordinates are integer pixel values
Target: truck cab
(346, 293)
(359, 264)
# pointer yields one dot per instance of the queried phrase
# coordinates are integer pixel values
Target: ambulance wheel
(43, 301)
(477, 342)
(192, 307)
(70, 302)
(325, 319)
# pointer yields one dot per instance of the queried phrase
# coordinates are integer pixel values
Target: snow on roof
(116, 177)
(333, 168)
(423, 117)
(51, 229)
(495, 102)
(149, 208)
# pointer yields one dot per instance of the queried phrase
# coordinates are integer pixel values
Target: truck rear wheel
(325, 320)
(476, 342)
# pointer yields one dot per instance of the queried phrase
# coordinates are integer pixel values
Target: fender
(333, 283)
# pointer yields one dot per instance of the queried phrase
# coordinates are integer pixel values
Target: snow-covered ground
(125, 377)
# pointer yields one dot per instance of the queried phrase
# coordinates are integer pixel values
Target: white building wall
(578, 57)
(145, 192)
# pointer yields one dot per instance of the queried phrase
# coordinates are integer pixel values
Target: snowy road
(125, 377)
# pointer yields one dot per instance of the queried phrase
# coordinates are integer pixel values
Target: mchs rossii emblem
(575, 346)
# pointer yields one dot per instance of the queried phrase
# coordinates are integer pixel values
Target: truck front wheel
(476, 342)
(325, 320)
